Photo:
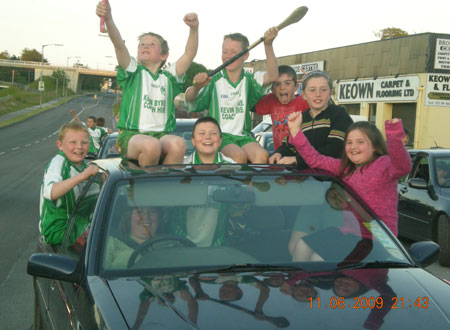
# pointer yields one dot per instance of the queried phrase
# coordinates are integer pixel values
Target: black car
(184, 129)
(209, 247)
(424, 200)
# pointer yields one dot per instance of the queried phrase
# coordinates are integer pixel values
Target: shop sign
(401, 89)
(438, 90)
(307, 67)
(442, 57)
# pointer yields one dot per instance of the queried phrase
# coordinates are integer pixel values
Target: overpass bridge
(75, 74)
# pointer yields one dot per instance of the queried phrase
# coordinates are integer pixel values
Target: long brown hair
(375, 137)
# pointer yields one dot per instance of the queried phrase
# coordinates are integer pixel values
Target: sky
(328, 24)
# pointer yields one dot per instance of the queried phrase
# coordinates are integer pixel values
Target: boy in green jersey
(147, 112)
(230, 94)
(207, 138)
(64, 179)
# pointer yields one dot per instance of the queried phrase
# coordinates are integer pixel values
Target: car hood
(385, 299)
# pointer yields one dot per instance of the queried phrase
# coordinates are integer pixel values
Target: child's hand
(90, 170)
(72, 112)
(191, 20)
(275, 158)
(393, 120)
(294, 122)
(270, 35)
(103, 10)
(200, 80)
(289, 160)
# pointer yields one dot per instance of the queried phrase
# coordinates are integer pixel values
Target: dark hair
(238, 37)
(288, 70)
(316, 74)
(375, 137)
(100, 121)
(93, 117)
(406, 131)
(206, 120)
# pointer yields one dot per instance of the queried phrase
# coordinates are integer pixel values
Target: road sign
(41, 86)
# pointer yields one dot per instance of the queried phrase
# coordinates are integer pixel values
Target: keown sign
(403, 89)
(438, 90)
(442, 58)
(307, 67)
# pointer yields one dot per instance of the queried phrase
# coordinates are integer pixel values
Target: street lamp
(42, 69)
(64, 84)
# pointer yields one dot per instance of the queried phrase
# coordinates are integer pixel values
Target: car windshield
(223, 222)
(442, 168)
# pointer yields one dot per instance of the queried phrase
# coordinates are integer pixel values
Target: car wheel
(444, 239)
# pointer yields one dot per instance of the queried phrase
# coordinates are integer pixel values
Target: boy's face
(206, 138)
(149, 50)
(74, 145)
(284, 88)
(231, 48)
(91, 123)
(317, 93)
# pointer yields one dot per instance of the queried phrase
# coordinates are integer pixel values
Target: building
(406, 77)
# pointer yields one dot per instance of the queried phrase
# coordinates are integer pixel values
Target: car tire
(444, 239)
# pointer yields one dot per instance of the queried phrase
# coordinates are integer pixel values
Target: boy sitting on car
(64, 180)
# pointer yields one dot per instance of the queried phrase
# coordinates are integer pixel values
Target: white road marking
(2, 153)
(27, 145)
(16, 148)
(36, 142)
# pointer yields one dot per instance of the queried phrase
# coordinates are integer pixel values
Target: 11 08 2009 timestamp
(371, 303)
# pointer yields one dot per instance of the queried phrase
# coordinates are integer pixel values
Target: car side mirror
(91, 155)
(418, 183)
(425, 252)
(54, 266)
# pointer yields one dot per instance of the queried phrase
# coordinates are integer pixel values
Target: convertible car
(231, 247)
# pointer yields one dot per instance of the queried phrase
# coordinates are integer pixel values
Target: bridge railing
(31, 63)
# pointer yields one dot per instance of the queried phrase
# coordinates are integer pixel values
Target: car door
(64, 297)
(415, 208)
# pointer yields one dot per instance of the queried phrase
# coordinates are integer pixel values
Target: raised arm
(122, 54)
(190, 51)
(272, 65)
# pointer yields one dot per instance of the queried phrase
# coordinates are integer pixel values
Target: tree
(4, 55)
(31, 55)
(191, 72)
(390, 32)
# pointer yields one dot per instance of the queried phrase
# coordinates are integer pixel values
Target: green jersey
(147, 99)
(220, 159)
(230, 103)
(96, 136)
(54, 214)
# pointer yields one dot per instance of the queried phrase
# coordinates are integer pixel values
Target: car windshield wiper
(376, 264)
(247, 267)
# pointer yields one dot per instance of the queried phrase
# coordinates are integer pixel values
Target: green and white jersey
(220, 159)
(230, 103)
(97, 133)
(55, 213)
(148, 100)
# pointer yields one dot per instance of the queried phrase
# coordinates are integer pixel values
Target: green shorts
(235, 139)
(126, 135)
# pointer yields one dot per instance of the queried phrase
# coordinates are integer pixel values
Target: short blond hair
(71, 126)
(162, 43)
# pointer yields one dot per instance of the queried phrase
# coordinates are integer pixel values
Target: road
(26, 149)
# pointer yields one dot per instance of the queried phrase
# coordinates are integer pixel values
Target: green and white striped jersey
(230, 103)
(147, 99)
(54, 214)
